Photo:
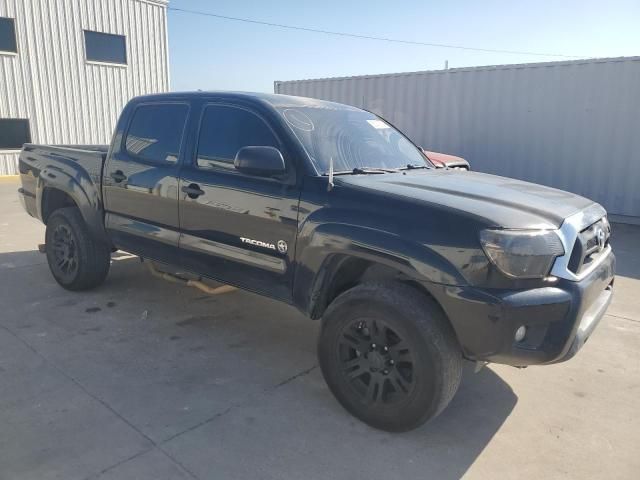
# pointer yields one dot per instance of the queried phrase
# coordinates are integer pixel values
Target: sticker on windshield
(378, 124)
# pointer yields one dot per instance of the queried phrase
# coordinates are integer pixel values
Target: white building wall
(571, 125)
(67, 99)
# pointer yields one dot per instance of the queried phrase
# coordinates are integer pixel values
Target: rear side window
(155, 133)
(225, 130)
(8, 35)
(13, 133)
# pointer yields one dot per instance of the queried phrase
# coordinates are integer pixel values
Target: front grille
(590, 244)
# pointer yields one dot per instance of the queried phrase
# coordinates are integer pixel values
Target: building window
(105, 47)
(13, 133)
(8, 35)
(155, 133)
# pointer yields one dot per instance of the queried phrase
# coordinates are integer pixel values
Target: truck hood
(500, 201)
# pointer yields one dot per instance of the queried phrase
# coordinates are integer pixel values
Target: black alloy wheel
(376, 362)
(389, 355)
(65, 251)
(77, 259)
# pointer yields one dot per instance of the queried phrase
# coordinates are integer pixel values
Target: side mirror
(260, 161)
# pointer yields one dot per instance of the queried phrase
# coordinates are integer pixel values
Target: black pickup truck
(329, 208)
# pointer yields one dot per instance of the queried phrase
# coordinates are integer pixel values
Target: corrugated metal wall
(67, 99)
(570, 125)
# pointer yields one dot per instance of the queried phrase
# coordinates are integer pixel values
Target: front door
(141, 182)
(237, 228)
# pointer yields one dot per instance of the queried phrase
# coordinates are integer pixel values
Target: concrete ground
(144, 379)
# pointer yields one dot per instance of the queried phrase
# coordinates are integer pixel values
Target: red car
(442, 160)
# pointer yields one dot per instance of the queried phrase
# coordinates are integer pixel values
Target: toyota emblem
(282, 246)
(600, 238)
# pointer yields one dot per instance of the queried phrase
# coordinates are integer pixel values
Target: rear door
(237, 228)
(141, 181)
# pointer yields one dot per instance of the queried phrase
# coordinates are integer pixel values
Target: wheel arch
(57, 189)
(342, 272)
(335, 257)
(54, 199)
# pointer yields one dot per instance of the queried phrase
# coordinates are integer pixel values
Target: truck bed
(81, 164)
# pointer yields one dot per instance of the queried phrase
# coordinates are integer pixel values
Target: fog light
(520, 333)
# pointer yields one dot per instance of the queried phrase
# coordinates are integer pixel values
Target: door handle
(118, 176)
(193, 190)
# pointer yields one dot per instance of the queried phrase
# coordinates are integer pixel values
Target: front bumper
(589, 322)
(559, 318)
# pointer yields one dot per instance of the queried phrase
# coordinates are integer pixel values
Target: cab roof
(272, 99)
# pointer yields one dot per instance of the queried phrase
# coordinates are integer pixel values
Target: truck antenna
(330, 185)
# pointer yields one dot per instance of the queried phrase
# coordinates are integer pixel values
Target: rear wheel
(76, 260)
(389, 355)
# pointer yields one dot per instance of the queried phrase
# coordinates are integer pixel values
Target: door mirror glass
(260, 161)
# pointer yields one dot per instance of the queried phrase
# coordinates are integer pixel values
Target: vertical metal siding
(569, 125)
(67, 99)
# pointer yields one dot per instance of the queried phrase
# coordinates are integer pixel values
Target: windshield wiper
(363, 171)
(414, 167)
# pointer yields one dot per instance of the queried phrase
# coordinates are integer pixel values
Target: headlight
(522, 253)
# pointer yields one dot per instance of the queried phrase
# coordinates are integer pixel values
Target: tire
(413, 380)
(76, 260)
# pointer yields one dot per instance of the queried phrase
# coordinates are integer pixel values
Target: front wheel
(389, 355)
(76, 260)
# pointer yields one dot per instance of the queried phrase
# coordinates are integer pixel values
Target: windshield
(355, 139)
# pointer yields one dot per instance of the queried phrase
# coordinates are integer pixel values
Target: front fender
(80, 188)
(316, 251)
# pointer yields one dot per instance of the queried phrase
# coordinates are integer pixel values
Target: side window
(156, 131)
(225, 130)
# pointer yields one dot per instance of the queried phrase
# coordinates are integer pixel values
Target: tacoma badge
(258, 243)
